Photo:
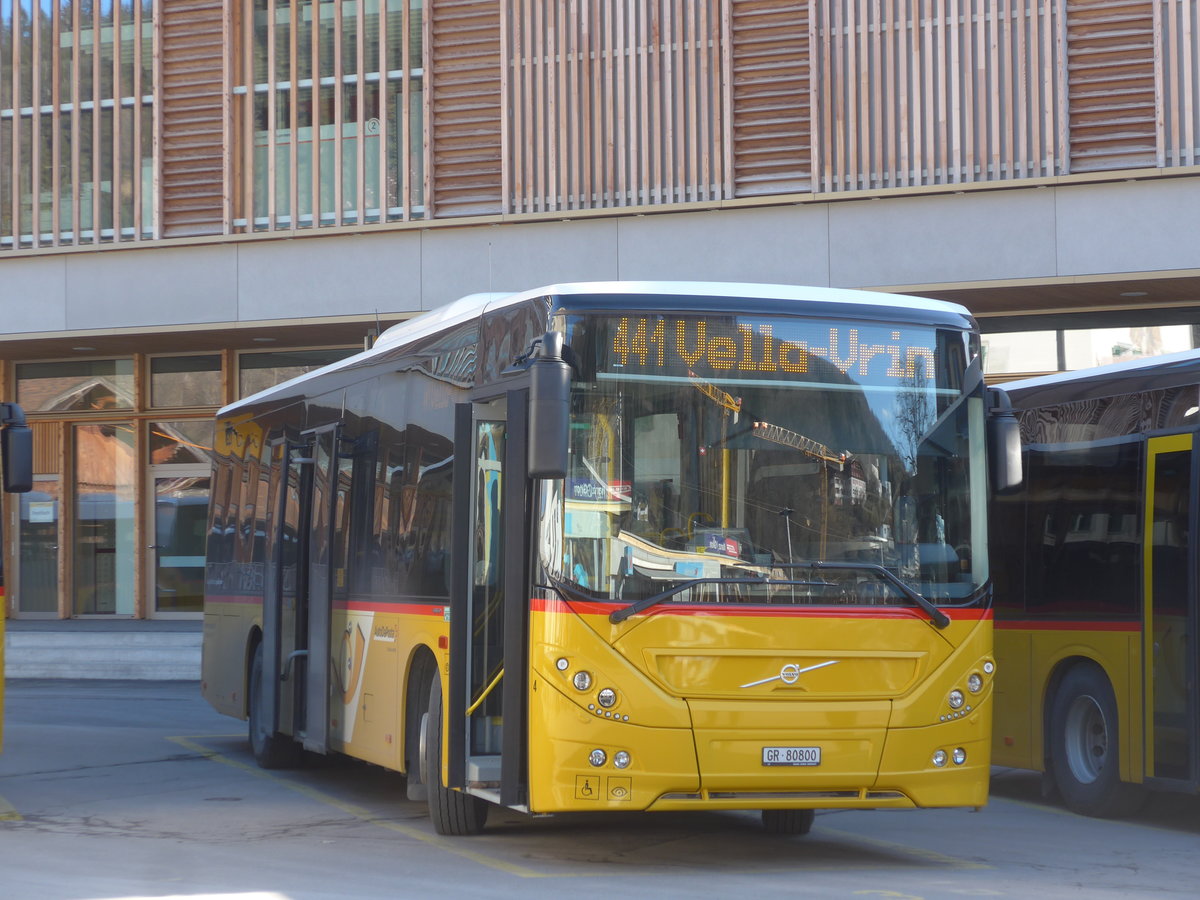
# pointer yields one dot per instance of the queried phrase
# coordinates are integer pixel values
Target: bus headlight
(607, 698)
(939, 758)
(959, 756)
(597, 757)
(621, 759)
(582, 680)
(974, 682)
(956, 698)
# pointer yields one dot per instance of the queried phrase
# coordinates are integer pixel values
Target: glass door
(38, 540)
(105, 467)
(1169, 655)
(176, 557)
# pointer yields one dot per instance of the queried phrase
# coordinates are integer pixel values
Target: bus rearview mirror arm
(549, 407)
(1003, 443)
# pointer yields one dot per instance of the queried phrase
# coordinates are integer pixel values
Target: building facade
(199, 198)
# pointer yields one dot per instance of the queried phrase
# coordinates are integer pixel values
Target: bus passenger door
(489, 612)
(1169, 652)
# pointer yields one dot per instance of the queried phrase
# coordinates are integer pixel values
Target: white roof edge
(474, 305)
(1128, 365)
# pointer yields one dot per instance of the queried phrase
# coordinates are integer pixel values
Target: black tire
(1084, 737)
(452, 812)
(271, 751)
(788, 821)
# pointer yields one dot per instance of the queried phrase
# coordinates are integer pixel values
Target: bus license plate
(791, 756)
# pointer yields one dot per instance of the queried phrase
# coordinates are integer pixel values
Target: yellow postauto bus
(621, 546)
(16, 463)
(1096, 560)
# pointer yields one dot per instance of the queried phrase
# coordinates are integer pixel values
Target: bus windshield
(739, 452)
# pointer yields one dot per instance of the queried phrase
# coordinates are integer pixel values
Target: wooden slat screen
(191, 118)
(1180, 42)
(47, 447)
(1111, 84)
(614, 104)
(76, 83)
(464, 107)
(918, 92)
(770, 70)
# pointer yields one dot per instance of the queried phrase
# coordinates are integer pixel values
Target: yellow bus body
(694, 734)
(1032, 655)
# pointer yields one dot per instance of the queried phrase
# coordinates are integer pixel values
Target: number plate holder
(791, 756)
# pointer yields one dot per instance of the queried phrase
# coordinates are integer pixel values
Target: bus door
(1172, 711)
(489, 606)
(297, 615)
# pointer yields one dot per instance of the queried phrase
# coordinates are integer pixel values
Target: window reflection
(82, 385)
(105, 464)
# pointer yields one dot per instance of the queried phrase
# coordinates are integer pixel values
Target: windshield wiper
(939, 618)
(638, 606)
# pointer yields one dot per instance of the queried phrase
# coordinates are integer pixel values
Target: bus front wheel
(788, 821)
(452, 812)
(1084, 742)
(271, 750)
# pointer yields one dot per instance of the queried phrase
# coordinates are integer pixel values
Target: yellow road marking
(931, 856)
(8, 812)
(360, 812)
(455, 846)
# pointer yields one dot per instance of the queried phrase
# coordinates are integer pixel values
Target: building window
(259, 371)
(76, 122)
(77, 386)
(186, 441)
(105, 467)
(1068, 349)
(185, 381)
(328, 102)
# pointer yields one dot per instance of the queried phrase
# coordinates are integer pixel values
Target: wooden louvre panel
(464, 118)
(191, 103)
(615, 104)
(772, 110)
(47, 447)
(921, 92)
(1111, 78)
(1180, 42)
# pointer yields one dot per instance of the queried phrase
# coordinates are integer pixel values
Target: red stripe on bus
(1065, 625)
(598, 608)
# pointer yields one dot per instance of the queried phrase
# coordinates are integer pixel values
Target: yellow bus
(1095, 562)
(16, 463)
(621, 546)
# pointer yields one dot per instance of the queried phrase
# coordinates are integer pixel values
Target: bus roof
(474, 306)
(1130, 376)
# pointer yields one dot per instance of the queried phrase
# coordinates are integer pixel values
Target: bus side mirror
(1004, 443)
(549, 408)
(16, 450)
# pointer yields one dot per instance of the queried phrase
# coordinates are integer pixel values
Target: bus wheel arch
(1082, 743)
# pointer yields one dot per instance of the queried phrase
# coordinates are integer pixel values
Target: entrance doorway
(179, 510)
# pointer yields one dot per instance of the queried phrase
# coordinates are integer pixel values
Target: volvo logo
(790, 673)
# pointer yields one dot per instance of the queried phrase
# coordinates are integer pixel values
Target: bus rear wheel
(1084, 742)
(271, 750)
(788, 821)
(452, 812)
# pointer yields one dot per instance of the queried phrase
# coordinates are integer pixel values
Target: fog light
(598, 757)
(956, 697)
(959, 756)
(621, 759)
(939, 757)
(975, 683)
(562, 664)
(607, 698)
(582, 680)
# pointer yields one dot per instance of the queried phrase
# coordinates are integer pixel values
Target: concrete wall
(978, 236)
